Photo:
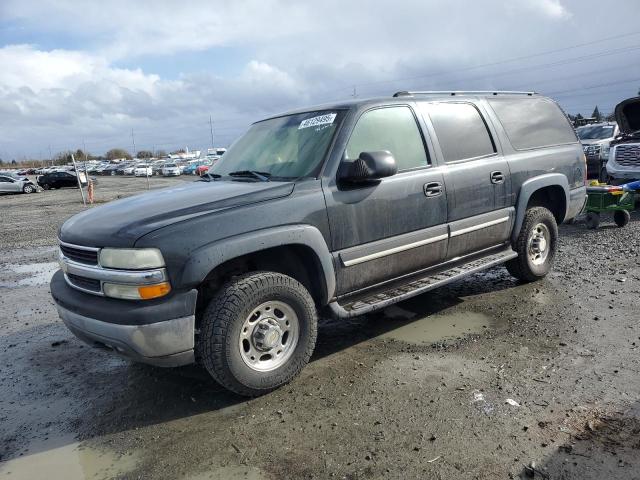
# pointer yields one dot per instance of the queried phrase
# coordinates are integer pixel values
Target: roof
(399, 97)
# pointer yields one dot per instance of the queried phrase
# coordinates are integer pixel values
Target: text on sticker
(320, 120)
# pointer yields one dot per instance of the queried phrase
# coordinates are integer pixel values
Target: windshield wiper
(207, 177)
(262, 176)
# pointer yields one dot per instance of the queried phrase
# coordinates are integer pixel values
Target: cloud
(72, 69)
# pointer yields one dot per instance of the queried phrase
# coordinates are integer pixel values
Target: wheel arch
(550, 191)
(299, 251)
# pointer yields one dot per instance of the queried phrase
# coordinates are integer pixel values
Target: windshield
(596, 132)
(170, 165)
(289, 147)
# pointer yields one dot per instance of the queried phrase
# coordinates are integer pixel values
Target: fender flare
(529, 187)
(206, 258)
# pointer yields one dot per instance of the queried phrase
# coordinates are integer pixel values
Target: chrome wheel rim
(539, 244)
(268, 336)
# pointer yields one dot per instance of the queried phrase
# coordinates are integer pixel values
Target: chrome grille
(592, 151)
(85, 255)
(628, 155)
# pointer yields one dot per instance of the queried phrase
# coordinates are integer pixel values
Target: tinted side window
(533, 122)
(461, 131)
(4, 180)
(393, 129)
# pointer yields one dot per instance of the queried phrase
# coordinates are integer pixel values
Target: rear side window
(533, 122)
(393, 129)
(461, 131)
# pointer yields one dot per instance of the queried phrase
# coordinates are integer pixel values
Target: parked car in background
(143, 170)
(190, 168)
(203, 167)
(157, 166)
(122, 167)
(110, 170)
(339, 210)
(170, 170)
(596, 142)
(16, 184)
(129, 169)
(58, 180)
(624, 157)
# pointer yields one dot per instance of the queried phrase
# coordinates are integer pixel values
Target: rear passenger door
(476, 175)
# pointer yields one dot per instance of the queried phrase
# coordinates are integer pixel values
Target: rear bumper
(577, 201)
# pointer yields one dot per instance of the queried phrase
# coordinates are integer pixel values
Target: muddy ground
(486, 378)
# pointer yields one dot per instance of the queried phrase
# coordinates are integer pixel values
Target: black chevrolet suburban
(339, 209)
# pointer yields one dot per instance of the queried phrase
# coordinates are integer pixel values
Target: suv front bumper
(160, 333)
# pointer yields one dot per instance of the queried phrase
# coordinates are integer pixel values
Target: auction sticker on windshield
(319, 120)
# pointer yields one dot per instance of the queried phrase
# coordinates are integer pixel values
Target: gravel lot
(485, 378)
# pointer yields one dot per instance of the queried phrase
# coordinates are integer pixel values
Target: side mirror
(371, 166)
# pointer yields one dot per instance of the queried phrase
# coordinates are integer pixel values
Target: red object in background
(202, 169)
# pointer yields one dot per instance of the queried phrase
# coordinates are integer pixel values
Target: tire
(592, 220)
(113, 173)
(536, 245)
(621, 217)
(242, 316)
(28, 189)
(604, 176)
(46, 186)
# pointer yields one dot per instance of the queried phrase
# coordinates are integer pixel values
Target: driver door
(397, 225)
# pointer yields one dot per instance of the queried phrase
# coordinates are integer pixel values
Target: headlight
(136, 292)
(131, 258)
(604, 151)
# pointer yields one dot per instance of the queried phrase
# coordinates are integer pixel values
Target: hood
(628, 115)
(122, 222)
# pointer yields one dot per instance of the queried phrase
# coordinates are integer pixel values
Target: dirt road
(486, 378)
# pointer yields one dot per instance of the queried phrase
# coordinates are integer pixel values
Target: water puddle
(435, 328)
(38, 274)
(229, 473)
(71, 461)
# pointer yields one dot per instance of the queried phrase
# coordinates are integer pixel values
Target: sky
(117, 72)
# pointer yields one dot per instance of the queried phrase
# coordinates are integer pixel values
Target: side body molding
(208, 257)
(529, 187)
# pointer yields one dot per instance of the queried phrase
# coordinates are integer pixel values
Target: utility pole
(211, 130)
(133, 142)
(50, 156)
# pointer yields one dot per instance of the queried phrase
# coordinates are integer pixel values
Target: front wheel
(29, 189)
(604, 176)
(46, 186)
(536, 245)
(258, 332)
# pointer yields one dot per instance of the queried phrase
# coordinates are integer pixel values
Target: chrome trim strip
(79, 247)
(462, 231)
(137, 277)
(391, 251)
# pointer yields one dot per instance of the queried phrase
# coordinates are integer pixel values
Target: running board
(408, 287)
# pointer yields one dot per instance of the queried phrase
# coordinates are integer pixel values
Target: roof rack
(461, 92)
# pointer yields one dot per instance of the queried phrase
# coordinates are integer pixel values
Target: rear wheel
(536, 245)
(621, 217)
(258, 332)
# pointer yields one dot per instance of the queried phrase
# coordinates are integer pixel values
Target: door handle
(432, 189)
(497, 177)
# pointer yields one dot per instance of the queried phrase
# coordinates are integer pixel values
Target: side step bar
(411, 286)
